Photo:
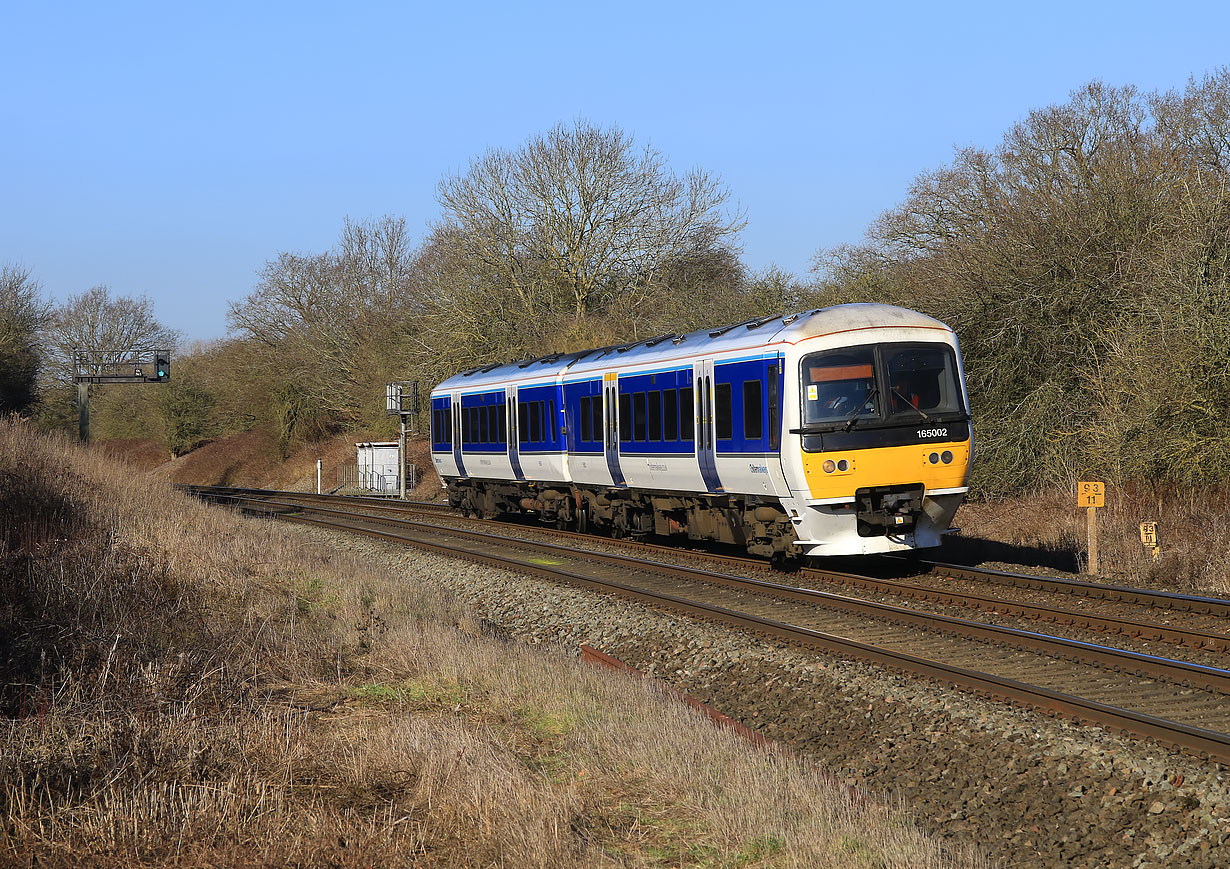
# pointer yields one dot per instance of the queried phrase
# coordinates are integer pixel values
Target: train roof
(747, 335)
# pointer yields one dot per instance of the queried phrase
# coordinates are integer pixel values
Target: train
(830, 432)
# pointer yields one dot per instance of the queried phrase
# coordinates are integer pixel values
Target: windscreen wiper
(862, 405)
(911, 406)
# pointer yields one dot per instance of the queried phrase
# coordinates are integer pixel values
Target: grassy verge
(183, 686)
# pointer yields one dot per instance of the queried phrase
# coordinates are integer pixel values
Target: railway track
(1182, 704)
(1128, 613)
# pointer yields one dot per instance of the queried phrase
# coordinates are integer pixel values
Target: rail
(1205, 743)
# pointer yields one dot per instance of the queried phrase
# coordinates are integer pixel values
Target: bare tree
(1085, 262)
(578, 217)
(22, 314)
(1198, 120)
(93, 320)
(365, 278)
(321, 327)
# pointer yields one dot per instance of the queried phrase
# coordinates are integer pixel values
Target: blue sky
(169, 150)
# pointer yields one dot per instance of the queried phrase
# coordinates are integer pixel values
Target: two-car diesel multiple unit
(840, 431)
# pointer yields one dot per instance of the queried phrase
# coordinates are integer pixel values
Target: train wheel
(583, 521)
(784, 561)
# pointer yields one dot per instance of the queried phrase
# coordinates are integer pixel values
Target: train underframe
(760, 525)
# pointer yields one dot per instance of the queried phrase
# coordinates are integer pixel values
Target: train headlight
(843, 465)
(947, 457)
(829, 466)
(934, 458)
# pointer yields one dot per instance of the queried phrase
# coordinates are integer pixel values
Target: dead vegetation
(183, 686)
(1192, 531)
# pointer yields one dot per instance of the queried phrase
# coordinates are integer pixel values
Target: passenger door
(706, 452)
(461, 468)
(514, 440)
(610, 406)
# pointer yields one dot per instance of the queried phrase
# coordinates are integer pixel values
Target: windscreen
(839, 385)
(922, 380)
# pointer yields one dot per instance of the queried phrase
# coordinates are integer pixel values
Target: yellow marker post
(1091, 495)
(1148, 537)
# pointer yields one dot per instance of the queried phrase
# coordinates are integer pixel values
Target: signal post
(114, 366)
(401, 398)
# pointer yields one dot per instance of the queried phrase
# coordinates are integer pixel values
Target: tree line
(1083, 262)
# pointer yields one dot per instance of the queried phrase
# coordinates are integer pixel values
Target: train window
(535, 421)
(922, 380)
(482, 425)
(670, 415)
(493, 423)
(839, 386)
(501, 424)
(523, 422)
(437, 430)
(587, 418)
(625, 417)
(687, 415)
(775, 424)
(638, 417)
(465, 426)
(597, 411)
(654, 419)
(554, 424)
(448, 426)
(753, 426)
(722, 412)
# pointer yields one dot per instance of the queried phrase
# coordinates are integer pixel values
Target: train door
(706, 451)
(776, 383)
(610, 405)
(514, 441)
(461, 468)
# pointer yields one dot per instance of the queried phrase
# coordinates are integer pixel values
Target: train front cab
(878, 445)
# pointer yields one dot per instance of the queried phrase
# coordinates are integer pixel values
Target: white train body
(832, 432)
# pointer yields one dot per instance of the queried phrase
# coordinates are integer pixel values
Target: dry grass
(184, 686)
(242, 459)
(1192, 528)
(144, 454)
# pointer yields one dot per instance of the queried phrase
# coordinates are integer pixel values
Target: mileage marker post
(1092, 495)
